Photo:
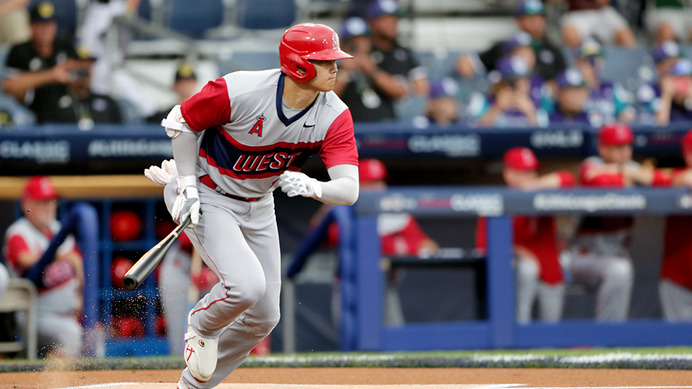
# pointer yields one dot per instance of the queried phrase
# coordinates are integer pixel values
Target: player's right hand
(187, 202)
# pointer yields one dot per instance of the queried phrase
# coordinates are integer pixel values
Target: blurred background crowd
(479, 63)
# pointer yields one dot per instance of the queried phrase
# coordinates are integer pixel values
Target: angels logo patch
(259, 125)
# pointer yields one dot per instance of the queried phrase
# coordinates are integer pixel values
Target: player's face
(325, 78)
(515, 178)
(40, 212)
(615, 153)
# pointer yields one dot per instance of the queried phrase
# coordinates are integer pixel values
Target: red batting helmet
(304, 42)
(520, 158)
(125, 225)
(119, 267)
(687, 142)
(39, 188)
(614, 134)
(370, 170)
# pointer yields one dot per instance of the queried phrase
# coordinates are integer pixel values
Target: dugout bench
(362, 283)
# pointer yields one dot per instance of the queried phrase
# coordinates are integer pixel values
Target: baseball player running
(234, 142)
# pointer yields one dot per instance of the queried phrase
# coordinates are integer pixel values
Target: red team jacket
(536, 234)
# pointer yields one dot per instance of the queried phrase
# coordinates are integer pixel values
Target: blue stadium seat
(256, 60)
(193, 18)
(266, 14)
(622, 65)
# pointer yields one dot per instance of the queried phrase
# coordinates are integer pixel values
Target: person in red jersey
(536, 243)
(675, 285)
(599, 252)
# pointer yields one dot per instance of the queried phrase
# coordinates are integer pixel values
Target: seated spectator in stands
(14, 22)
(595, 18)
(355, 83)
(675, 284)
(536, 246)
(669, 20)
(512, 101)
(671, 99)
(184, 86)
(609, 100)
(530, 18)
(665, 55)
(442, 107)
(58, 277)
(81, 106)
(110, 76)
(600, 257)
(396, 73)
(38, 70)
(572, 100)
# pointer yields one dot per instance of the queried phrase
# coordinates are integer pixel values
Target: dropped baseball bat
(148, 262)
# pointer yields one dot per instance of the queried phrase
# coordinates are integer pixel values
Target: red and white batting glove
(299, 184)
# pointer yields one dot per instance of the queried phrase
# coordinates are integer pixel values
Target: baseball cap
(614, 134)
(379, 8)
(687, 142)
(42, 12)
(445, 87)
(354, 26)
(512, 67)
(370, 170)
(667, 49)
(517, 40)
(520, 158)
(185, 71)
(39, 188)
(570, 78)
(589, 48)
(529, 7)
(682, 67)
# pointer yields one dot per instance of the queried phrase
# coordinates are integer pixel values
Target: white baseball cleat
(200, 354)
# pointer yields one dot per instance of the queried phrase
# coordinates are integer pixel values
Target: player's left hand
(299, 184)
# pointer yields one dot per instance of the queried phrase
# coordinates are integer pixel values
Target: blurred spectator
(600, 258)
(38, 70)
(514, 99)
(530, 18)
(14, 22)
(393, 74)
(608, 101)
(675, 285)
(79, 105)
(442, 107)
(665, 55)
(669, 20)
(572, 100)
(58, 275)
(595, 18)
(184, 86)
(671, 99)
(536, 247)
(110, 77)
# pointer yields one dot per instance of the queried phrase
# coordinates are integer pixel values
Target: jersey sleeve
(339, 147)
(566, 179)
(209, 107)
(590, 178)
(15, 245)
(661, 179)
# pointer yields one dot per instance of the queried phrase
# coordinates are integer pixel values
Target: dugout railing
(362, 326)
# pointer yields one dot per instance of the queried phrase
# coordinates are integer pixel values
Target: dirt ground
(369, 377)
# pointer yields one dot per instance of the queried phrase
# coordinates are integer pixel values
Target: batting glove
(162, 175)
(187, 202)
(298, 184)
